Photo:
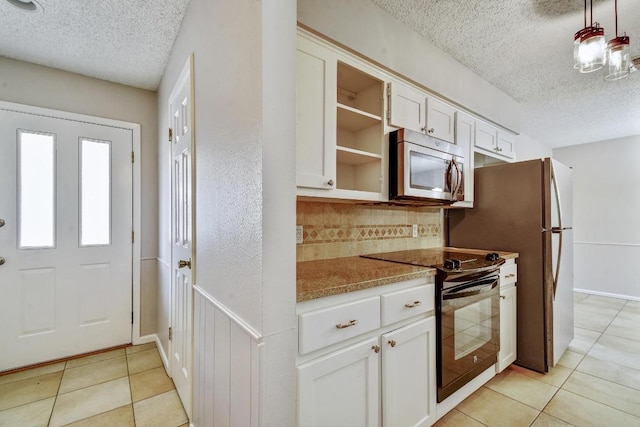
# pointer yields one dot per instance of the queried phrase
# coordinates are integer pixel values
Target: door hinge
(170, 134)
(133, 237)
(133, 157)
(389, 103)
(170, 333)
(132, 317)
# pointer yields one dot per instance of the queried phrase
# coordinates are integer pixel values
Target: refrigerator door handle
(557, 230)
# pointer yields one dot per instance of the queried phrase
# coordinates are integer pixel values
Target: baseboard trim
(606, 294)
(163, 355)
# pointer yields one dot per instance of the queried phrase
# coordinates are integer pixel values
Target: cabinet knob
(430, 130)
(1, 260)
(375, 348)
(1, 222)
(503, 297)
(330, 183)
(392, 343)
(351, 323)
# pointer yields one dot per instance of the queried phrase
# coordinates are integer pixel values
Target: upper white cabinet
(494, 142)
(465, 137)
(413, 109)
(440, 119)
(339, 127)
(315, 120)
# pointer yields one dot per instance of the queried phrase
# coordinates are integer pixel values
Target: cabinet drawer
(406, 303)
(508, 274)
(327, 326)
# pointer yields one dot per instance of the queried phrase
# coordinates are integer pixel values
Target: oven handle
(469, 291)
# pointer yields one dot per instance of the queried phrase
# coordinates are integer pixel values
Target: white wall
(30, 84)
(606, 178)
(244, 184)
(528, 148)
(369, 30)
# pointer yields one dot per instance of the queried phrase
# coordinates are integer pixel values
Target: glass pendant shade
(618, 58)
(576, 47)
(592, 49)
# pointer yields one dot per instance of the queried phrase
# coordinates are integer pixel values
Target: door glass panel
(95, 192)
(37, 189)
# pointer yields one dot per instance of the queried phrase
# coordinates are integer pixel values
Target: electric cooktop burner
(445, 260)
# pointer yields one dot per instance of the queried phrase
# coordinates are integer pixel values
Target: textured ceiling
(122, 41)
(525, 48)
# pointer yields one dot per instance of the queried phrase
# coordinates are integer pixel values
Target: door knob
(182, 263)
(1, 260)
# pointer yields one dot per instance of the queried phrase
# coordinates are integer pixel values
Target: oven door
(469, 330)
(429, 173)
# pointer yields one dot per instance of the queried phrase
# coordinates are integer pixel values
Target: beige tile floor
(596, 382)
(125, 387)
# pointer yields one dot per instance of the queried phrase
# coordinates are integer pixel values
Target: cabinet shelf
(355, 120)
(349, 156)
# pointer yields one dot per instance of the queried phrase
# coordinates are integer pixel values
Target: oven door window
(472, 325)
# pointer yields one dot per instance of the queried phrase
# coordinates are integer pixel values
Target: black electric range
(445, 260)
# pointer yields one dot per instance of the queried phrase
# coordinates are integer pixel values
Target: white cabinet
(339, 127)
(413, 109)
(465, 137)
(508, 318)
(315, 122)
(341, 389)
(494, 142)
(383, 374)
(408, 360)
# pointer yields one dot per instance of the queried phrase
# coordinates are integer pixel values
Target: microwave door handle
(458, 177)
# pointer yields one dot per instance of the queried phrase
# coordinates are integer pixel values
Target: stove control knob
(492, 256)
(452, 264)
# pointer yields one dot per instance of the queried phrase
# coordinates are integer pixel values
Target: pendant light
(589, 45)
(618, 54)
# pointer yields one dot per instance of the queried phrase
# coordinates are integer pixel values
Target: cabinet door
(409, 375)
(341, 389)
(407, 107)
(465, 136)
(440, 119)
(315, 116)
(508, 328)
(486, 136)
(506, 144)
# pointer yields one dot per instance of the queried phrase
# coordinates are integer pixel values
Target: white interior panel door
(181, 116)
(65, 239)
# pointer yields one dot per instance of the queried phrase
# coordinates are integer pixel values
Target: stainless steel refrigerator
(526, 207)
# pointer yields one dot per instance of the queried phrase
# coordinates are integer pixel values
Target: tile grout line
(55, 398)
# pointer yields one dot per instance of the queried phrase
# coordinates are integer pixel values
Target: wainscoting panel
(226, 363)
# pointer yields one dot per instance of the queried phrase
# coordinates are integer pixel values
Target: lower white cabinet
(385, 376)
(341, 388)
(508, 318)
(409, 375)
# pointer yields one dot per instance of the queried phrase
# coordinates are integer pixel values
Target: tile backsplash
(334, 230)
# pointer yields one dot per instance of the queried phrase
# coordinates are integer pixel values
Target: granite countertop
(323, 278)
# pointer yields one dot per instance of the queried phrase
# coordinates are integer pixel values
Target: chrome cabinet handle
(413, 304)
(509, 275)
(375, 348)
(330, 183)
(182, 263)
(351, 323)
(392, 343)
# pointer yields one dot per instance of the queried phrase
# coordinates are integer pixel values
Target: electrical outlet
(299, 238)
(414, 230)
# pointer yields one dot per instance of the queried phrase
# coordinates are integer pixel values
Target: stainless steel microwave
(424, 169)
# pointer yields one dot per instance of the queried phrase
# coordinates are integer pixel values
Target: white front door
(65, 242)
(181, 119)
